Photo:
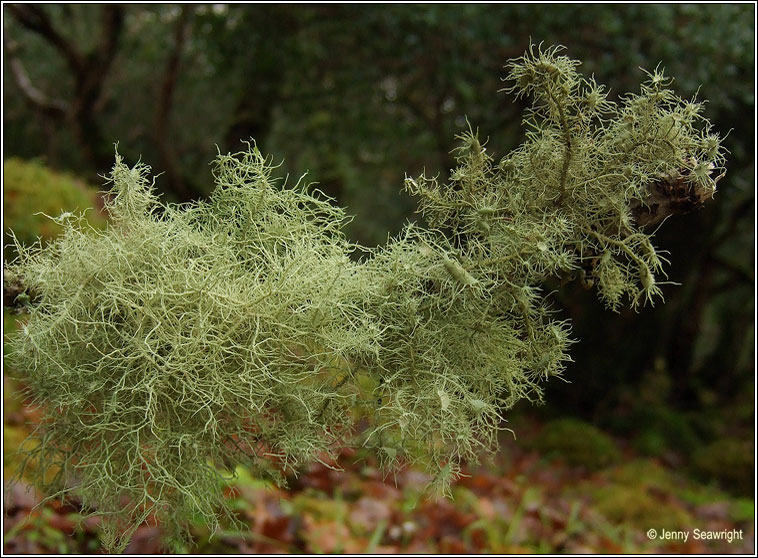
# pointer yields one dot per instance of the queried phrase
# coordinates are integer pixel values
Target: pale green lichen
(183, 341)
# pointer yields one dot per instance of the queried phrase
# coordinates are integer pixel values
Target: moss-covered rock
(31, 191)
(639, 508)
(578, 443)
(643, 474)
(731, 462)
(640, 494)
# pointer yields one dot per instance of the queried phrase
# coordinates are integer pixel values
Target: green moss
(31, 191)
(643, 473)
(671, 490)
(13, 437)
(10, 322)
(728, 461)
(577, 443)
(636, 507)
(742, 509)
(641, 494)
(651, 442)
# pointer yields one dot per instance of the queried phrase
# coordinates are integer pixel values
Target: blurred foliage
(654, 426)
(659, 430)
(362, 95)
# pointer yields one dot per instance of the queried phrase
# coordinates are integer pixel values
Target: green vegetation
(185, 340)
(32, 193)
(731, 462)
(577, 443)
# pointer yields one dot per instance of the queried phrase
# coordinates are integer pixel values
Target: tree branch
(55, 108)
(35, 19)
(88, 71)
(113, 23)
(671, 195)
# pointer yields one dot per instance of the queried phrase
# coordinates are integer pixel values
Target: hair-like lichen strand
(183, 341)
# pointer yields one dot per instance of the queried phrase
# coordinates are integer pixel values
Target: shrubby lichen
(183, 341)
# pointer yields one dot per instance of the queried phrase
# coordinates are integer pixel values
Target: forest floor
(526, 500)
(520, 503)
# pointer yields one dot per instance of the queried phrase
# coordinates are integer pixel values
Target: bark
(671, 195)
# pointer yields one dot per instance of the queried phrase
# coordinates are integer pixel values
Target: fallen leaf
(367, 513)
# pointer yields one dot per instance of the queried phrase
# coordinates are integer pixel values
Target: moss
(31, 191)
(642, 494)
(728, 461)
(10, 322)
(742, 509)
(13, 437)
(578, 443)
(639, 509)
(645, 494)
(647, 475)
(642, 473)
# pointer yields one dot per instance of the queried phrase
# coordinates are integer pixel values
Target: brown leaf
(20, 496)
(146, 540)
(329, 537)
(452, 545)
(368, 512)
(480, 483)
(479, 538)
(62, 523)
(380, 490)
(320, 477)
(278, 528)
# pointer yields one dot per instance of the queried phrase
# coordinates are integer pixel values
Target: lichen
(183, 341)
